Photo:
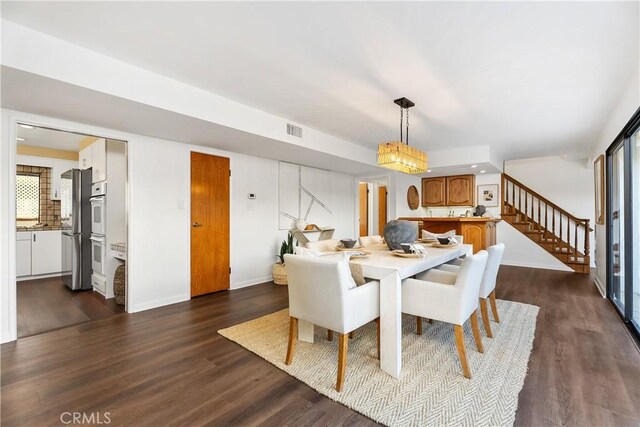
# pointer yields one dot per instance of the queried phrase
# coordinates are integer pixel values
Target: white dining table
(390, 269)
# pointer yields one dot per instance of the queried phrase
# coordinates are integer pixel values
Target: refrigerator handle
(34, 237)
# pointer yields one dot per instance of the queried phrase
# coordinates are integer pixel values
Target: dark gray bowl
(406, 247)
(348, 243)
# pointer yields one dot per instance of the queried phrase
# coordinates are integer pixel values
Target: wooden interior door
(210, 261)
(382, 209)
(364, 209)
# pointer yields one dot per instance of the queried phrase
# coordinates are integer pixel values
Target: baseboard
(8, 336)
(160, 303)
(251, 282)
(534, 265)
(42, 276)
(600, 287)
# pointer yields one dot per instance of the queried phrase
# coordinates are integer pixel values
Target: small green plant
(286, 247)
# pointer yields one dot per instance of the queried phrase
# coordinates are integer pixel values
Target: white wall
(159, 217)
(618, 118)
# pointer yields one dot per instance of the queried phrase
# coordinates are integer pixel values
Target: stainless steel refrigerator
(75, 210)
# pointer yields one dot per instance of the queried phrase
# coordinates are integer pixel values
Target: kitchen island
(477, 231)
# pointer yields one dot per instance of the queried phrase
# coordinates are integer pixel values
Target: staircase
(551, 227)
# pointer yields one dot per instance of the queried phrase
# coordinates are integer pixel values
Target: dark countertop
(451, 219)
(40, 228)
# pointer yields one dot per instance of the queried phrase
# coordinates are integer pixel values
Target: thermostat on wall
(251, 196)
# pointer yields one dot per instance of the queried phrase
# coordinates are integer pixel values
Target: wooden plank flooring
(169, 366)
(47, 304)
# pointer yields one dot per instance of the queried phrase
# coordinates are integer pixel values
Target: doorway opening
(373, 210)
(70, 242)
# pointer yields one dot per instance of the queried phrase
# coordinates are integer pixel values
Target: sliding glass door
(634, 146)
(617, 226)
(623, 223)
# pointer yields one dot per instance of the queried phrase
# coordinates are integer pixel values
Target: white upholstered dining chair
(369, 240)
(321, 293)
(488, 286)
(450, 298)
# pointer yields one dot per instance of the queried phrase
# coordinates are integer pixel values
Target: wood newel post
(553, 222)
(575, 236)
(569, 234)
(503, 201)
(586, 238)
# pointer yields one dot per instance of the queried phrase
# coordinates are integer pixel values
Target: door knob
(197, 224)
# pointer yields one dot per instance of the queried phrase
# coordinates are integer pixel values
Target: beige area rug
(431, 390)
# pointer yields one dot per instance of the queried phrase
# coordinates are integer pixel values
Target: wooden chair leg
(485, 317)
(329, 335)
(419, 325)
(494, 307)
(462, 353)
(343, 346)
(352, 334)
(476, 331)
(378, 335)
(293, 335)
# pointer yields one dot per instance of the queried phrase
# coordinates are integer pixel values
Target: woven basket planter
(279, 272)
(119, 284)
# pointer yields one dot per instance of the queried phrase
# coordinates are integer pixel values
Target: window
(27, 197)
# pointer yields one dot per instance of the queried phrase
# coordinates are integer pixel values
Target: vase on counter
(397, 232)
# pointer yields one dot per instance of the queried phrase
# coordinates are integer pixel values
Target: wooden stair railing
(557, 231)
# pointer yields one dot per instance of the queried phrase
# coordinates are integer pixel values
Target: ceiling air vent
(294, 130)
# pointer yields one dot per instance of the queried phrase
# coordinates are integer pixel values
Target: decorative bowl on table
(348, 243)
(397, 232)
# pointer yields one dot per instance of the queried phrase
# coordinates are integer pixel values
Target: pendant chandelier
(398, 155)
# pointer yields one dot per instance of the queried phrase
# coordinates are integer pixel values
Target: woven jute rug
(431, 390)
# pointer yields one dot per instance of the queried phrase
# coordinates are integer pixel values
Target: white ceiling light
(473, 166)
(482, 171)
(428, 170)
(26, 126)
(20, 139)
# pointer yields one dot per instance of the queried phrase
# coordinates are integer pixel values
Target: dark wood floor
(169, 366)
(47, 304)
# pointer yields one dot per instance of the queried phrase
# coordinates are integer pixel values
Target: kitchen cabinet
(434, 191)
(461, 190)
(23, 253)
(458, 190)
(46, 252)
(99, 160)
(85, 158)
(59, 167)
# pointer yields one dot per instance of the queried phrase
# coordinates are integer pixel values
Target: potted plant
(279, 271)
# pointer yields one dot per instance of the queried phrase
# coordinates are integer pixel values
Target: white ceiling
(49, 138)
(529, 79)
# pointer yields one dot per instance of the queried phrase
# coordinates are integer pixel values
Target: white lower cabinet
(23, 254)
(46, 252)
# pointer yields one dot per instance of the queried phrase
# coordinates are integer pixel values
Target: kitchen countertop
(40, 228)
(451, 219)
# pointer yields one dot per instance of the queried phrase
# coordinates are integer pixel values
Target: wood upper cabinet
(460, 190)
(434, 191)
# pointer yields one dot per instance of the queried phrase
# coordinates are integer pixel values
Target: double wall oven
(98, 227)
